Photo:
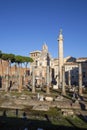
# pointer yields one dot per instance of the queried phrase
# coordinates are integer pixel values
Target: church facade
(40, 65)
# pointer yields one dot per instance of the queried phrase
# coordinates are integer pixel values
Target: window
(36, 63)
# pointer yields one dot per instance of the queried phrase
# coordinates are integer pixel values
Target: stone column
(86, 74)
(69, 78)
(60, 56)
(48, 78)
(6, 88)
(33, 79)
(80, 79)
(63, 81)
(7, 79)
(48, 73)
(20, 79)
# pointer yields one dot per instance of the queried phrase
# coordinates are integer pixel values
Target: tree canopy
(15, 58)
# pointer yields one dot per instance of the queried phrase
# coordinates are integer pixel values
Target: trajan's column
(60, 56)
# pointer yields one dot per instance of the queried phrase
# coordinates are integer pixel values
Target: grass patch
(49, 120)
(77, 122)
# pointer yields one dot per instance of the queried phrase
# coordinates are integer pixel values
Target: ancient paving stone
(41, 107)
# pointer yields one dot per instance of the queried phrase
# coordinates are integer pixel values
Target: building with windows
(40, 65)
(71, 65)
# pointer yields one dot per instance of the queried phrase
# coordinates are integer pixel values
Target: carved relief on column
(60, 57)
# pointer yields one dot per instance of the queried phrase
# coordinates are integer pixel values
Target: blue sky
(26, 24)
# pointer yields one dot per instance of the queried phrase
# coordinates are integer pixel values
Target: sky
(25, 25)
